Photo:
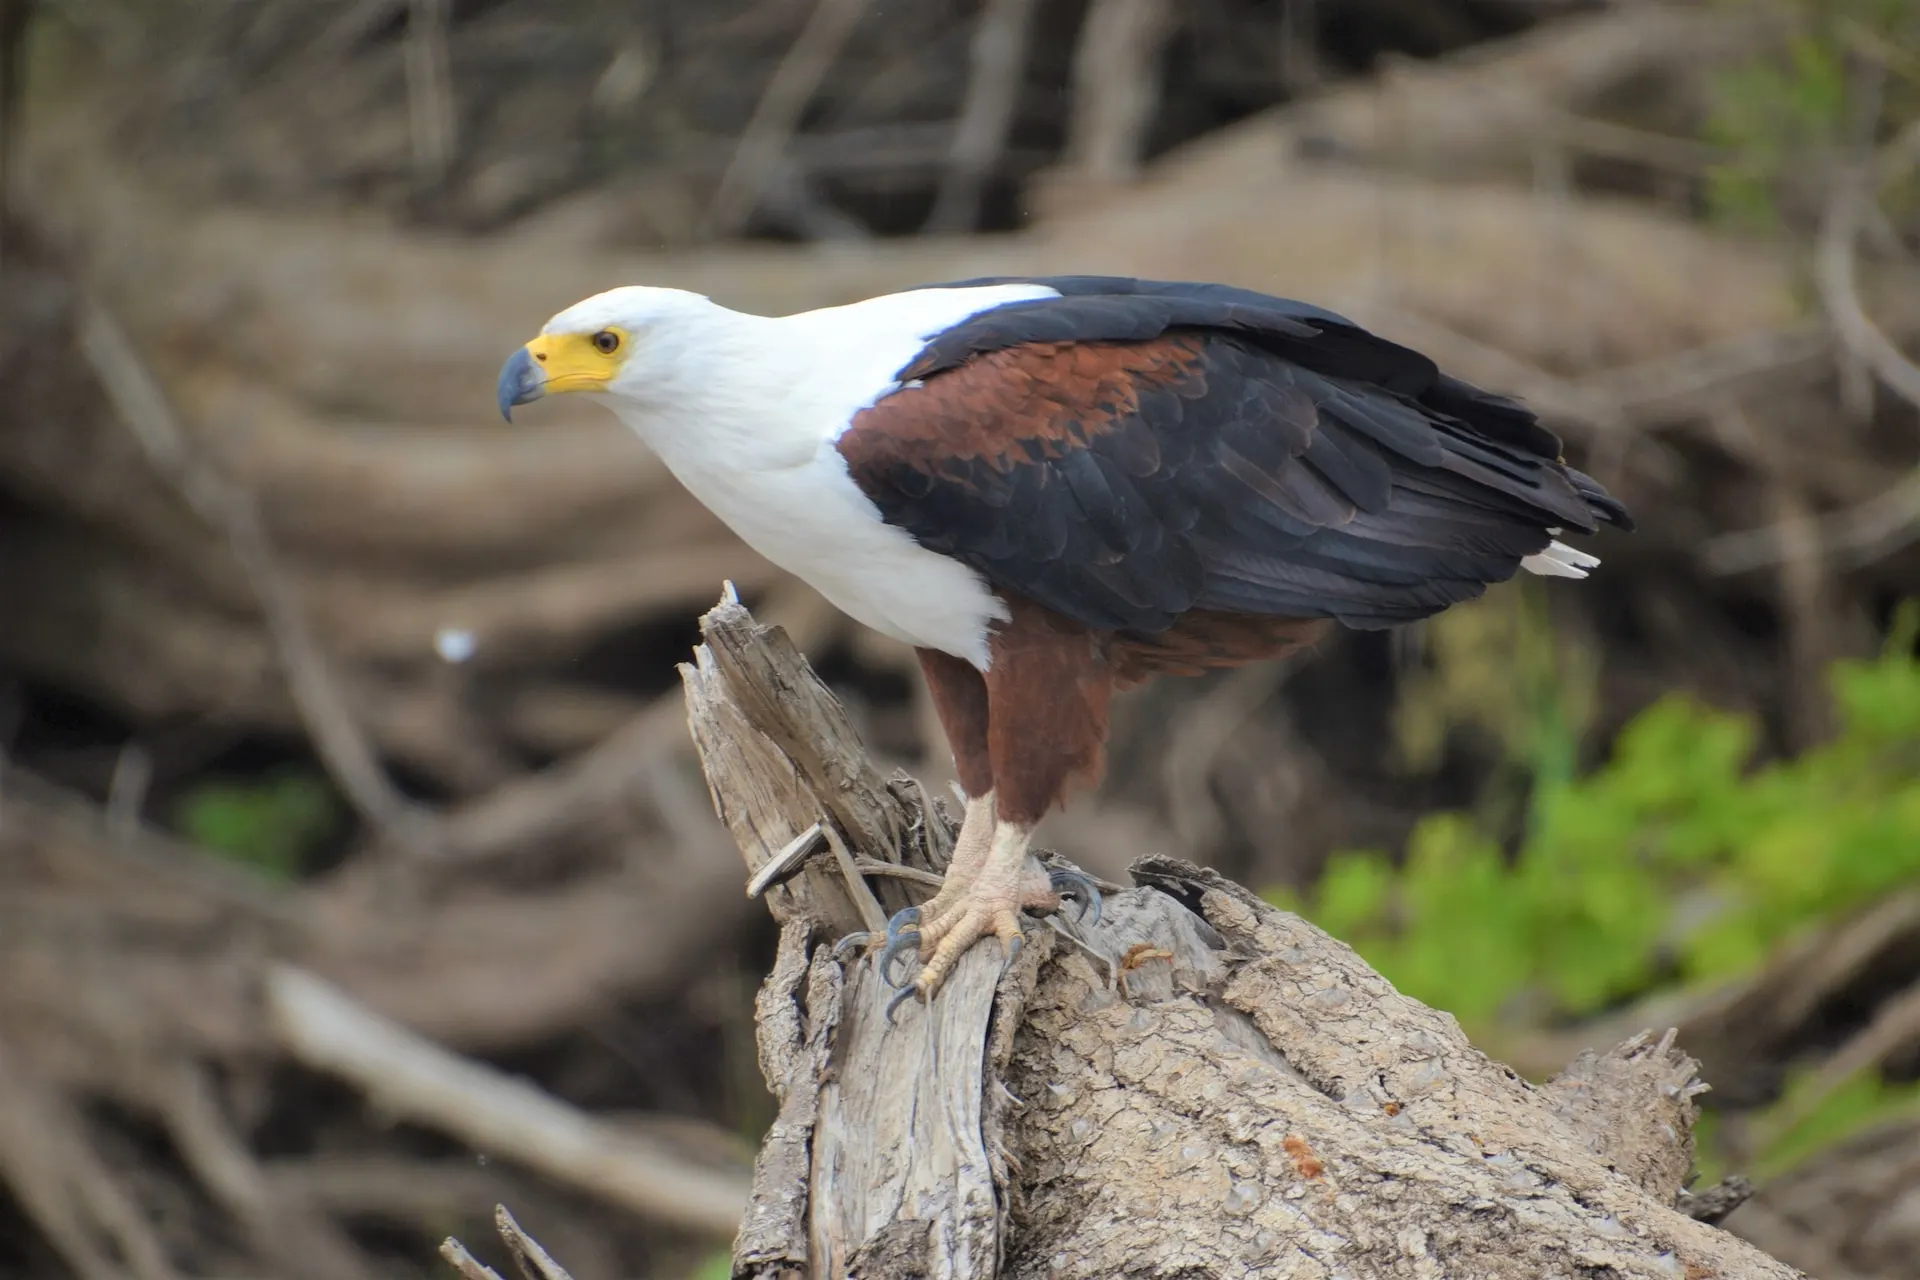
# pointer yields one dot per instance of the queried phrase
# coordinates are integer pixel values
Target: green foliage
(1786, 114)
(1677, 860)
(1674, 857)
(1499, 668)
(718, 1266)
(1862, 1102)
(270, 823)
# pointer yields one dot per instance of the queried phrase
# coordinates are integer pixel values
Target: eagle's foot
(980, 913)
(973, 920)
(1008, 882)
(1069, 885)
(901, 938)
(968, 917)
(852, 943)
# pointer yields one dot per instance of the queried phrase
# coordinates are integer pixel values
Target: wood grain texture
(874, 1130)
(1203, 1085)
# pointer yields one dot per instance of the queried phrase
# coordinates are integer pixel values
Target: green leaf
(1861, 1103)
(272, 823)
(1675, 860)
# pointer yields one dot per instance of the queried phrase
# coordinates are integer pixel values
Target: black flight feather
(1295, 465)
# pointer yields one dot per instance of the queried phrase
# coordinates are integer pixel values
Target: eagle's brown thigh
(960, 700)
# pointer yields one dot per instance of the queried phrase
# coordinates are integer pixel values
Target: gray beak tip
(521, 380)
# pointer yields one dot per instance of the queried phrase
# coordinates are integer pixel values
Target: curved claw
(901, 938)
(905, 993)
(897, 946)
(850, 944)
(1014, 944)
(1082, 888)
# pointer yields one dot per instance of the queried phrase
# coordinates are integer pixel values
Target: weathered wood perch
(1200, 1085)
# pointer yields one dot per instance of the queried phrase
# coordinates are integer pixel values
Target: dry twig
(533, 1262)
(1884, 523)
(406, 1075)
(1116, 86)
(757, 155)
(993, 92)
(317, 691)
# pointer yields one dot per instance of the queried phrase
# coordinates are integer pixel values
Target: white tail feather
(1560, 561)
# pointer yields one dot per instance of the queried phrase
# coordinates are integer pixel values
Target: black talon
(1013, 951)
(1083, 888)
(851, 943)
(897, 946)
(900, 938)
(904, 993)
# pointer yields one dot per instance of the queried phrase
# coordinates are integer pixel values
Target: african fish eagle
(1053, 488)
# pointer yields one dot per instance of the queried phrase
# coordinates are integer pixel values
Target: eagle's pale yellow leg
(969, 855)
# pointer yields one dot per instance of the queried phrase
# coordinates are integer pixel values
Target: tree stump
(1197, 1085)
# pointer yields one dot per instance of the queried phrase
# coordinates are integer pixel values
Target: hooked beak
(521, 380)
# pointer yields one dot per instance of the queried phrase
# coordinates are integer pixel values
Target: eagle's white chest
(814, 522)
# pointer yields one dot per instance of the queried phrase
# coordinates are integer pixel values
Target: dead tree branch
(528, 1256)
(338, 739)
(756, 157)
(1891, 519)
(993, 92)
(1116, 85)
(328, 1031)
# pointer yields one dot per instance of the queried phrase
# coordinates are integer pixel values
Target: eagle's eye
(606, 342)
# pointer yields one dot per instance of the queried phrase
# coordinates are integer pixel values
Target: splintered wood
(1199, 1084)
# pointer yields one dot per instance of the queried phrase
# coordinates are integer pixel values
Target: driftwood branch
(1201, 1083)
(337, 739)
(993, 91)
(757, 156)
(531, 1260)
(409, 1076)
(1116, 85)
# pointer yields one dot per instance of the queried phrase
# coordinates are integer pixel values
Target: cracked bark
(1204, 1086)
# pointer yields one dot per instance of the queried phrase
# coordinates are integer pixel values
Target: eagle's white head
(703, 385)
(717, 390)
(636, 346)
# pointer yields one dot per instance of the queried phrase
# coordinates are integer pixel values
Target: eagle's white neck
(708, 391)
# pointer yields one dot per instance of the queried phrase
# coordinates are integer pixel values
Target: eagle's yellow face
(557, 362)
